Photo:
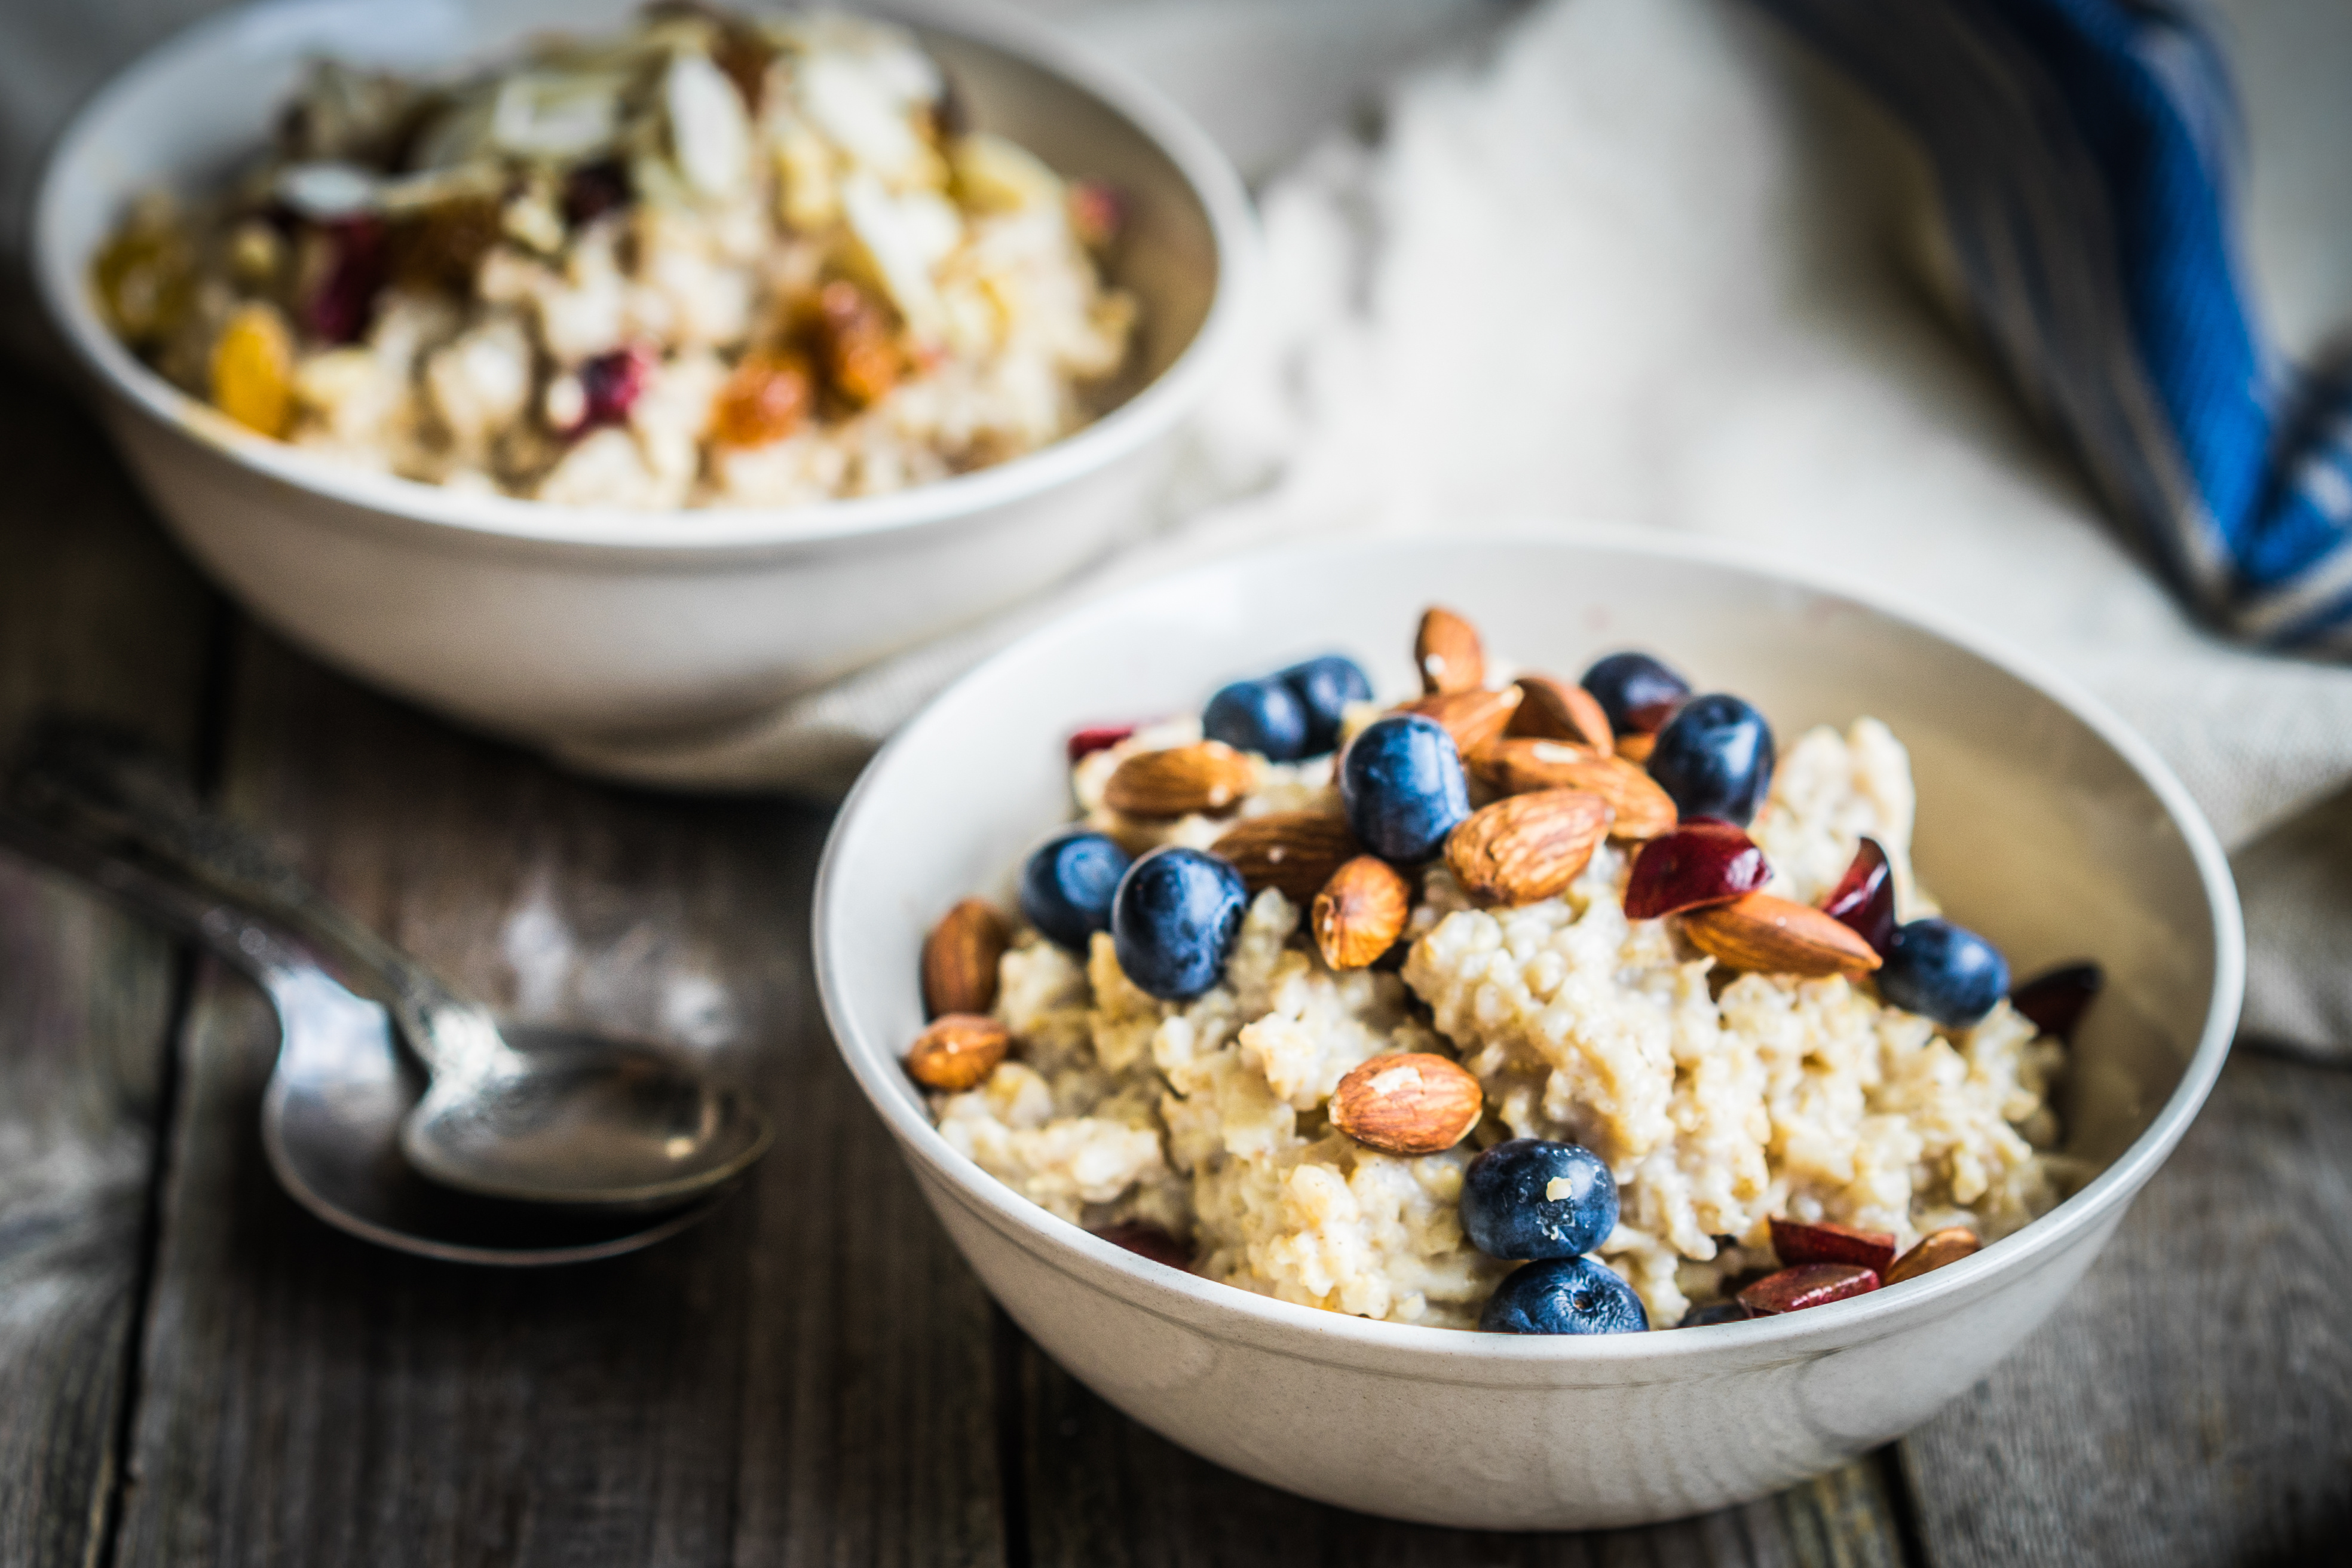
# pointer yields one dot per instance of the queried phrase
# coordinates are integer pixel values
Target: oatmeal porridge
(1536, 1007)
(716, 261)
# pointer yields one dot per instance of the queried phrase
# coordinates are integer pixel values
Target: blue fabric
(2088, 154)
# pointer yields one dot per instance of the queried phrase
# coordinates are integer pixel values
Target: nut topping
(1640, 809)
(960, 959)
(1932, 1252)
(1776, 936)
(1412, 1104)
(1555, 710)
(1472, 718)
(1447, 653)
(1293, 850)
(1208, 775)
(1528, 847)
(1360, 913)
(957, 1052)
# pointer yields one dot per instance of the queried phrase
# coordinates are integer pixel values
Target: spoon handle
(86, 786)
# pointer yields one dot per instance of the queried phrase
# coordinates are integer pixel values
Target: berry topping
(613, 383)
(1324, 688)
(1714, 1312)
(1533, 1198)
(1403, 784)
(1067, 884)
(1095, 737)
(2054, 999)
(1863, 900)
(1261, 716)
(1148, 1240)
(1944, 972)
(1807, 1285)
(1794, 1242)
(1174, 919)
(1704, 861)
(1714, 758)
(1564, 1296)
(337, 306)
(592, 190)
(1637, 692)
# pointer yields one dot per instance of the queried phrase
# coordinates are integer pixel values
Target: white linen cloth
(1642, 260)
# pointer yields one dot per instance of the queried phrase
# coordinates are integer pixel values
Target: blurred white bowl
(555, 621)
(2042, 822)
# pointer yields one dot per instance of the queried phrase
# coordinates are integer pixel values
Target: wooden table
(192, 1371)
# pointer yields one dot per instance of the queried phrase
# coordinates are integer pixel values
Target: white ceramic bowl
(2043, 822)
(552, 623)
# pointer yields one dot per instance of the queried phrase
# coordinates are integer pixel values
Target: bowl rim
(1149, 413)
(1050, 1240)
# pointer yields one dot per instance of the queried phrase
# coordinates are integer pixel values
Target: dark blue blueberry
(1564, 1296)
(1263, 716)
(1943, 972)
(1401, 783)
(1714, 1312)
(1716, 759)
(1174, 921)
(1637, 692)
(1325, 687)
(1066, 886)
(1508, 1209)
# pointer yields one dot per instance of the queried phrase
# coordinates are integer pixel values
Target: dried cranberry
(1146, 1240)
(1098, 213)
(1863, 900)
(1705, 861)
(1807, 1285)
(2054, 1000)
(592, 190)
(1796, 1242)
(613, 382)
(1097, 738)
(339, 306)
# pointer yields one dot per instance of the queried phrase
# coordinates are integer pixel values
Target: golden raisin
(253, 370)
(765, 400)
(144, 282)
(861, 350)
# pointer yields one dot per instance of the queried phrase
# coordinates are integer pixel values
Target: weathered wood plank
(2192, 1401)
(1104, 1492)
(98, 616)
(806, 1378)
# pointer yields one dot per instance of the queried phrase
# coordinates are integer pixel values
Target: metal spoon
(340, 1089)
(538, 1116)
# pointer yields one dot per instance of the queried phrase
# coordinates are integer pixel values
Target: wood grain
(806, 1378)
(98, 617)
(2191, 1401)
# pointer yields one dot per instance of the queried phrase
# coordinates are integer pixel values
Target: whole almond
(957, 1051)
(960, 959)
(1636, 747)
(1412, 1104)
(1472, 718)
(1511, 767)
(1776, 936)
(1447, 652)
(1360, 913)
(1293, 850)
(1933, 1250)
(1528, 847)
(1207, 776)
(1555, 711)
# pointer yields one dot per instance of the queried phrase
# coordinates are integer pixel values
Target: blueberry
(1325, 687)
(1637, 692)
(1508, 1209)
(1714, 1312)
(1564, 1296)
(1175, 919)
(1716, 759)
(1944, 972)
(1401, 783)
(1262, 716)
(1066, 886)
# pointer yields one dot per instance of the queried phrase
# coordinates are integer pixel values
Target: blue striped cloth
(2088, 154)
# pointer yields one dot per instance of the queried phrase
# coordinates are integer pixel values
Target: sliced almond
(957, 1052)
(1293, 850)
(1528, 847)
(1472, 718)
(1768, 935)
(1208, 775)
(1410, 1104)
(1555, 711)
(1360, 913)
(1518, 766)
(1447, 652)
(960, 959)
(1933, 1250)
